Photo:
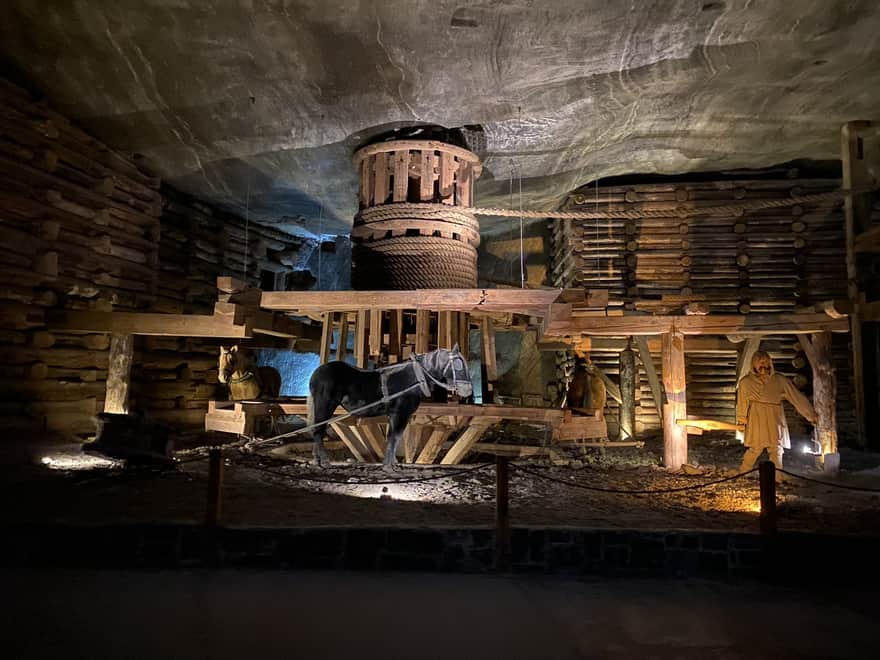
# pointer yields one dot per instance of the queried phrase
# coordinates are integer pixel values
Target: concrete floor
(261, 615)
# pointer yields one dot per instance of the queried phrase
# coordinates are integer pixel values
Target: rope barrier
(682, 212)
(378, 482)
(631, 492)
(828, 483)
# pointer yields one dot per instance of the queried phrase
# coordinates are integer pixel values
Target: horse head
(448, 366)
(228, 363)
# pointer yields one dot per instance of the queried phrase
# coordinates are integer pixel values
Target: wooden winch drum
(414, 229)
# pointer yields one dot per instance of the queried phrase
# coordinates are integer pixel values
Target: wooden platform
(427, 436)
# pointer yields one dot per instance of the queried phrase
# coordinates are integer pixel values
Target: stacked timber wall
(84, 229)
(768, 260)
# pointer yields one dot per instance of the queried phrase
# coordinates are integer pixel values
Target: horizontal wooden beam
(158, 325)
(524, 301)
(713, 324)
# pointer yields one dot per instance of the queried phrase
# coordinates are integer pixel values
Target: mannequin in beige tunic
(759, 407)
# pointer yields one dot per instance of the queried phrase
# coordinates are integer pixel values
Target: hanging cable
(598, 264)
(247, 210)
(320, 239)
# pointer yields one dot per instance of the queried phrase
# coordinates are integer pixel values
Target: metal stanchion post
(502, 514)
(767, 473)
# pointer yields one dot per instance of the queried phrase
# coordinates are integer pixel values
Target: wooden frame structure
(561, 316)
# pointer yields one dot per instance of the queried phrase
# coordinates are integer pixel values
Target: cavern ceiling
(260, 103)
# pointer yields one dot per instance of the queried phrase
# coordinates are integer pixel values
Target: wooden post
(423, 330)
(326, 337)
(818, 352)
(395, 335)
(360, 338)
(857, 211)
(119, 374)
(489, 368)
(375, 333)
(627, 393)
(446, 328)
(342, 341)
(215, 488)
(502, 514)
(651, 373)
(767, 474)
(674, 436)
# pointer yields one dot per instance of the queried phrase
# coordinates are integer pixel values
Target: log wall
(770, 260)
(83, 228)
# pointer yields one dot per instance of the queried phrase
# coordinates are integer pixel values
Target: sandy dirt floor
(262, 491)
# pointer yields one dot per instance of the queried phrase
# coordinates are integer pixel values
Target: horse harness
(420, 373)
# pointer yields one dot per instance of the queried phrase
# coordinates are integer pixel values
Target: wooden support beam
(857, 216)
(651, 373)
(360, 338)
(326, 336)
(375, 333)
(628, 377)
(712, 324)
(423, 330)
(489, 365)
(818, 351)
(395, 335)
(373, 434)
(119, 374)
(157, 325)
(352, 441)
(674, 378)
(446, 327)
(439, 435)
(413, 436)
(468, 439)
(464, 332)
(523, 301)
(611, 388)
(342, 339)
(744, 360)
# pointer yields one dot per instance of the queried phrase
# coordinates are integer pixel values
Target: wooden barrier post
(215, 489)
(502, 514)
(767, 473)
(675, 451)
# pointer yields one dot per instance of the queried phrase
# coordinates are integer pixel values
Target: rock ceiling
(259, 104)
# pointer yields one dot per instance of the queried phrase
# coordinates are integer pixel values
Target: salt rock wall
(84, 228)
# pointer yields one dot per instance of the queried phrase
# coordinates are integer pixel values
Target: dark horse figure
(396, 390)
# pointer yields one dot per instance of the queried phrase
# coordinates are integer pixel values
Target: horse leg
(397, 419)
(320, 412)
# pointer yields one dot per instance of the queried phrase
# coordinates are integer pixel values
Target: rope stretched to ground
(681, 212)
(828, 483)
(372, 482)
(631, 492)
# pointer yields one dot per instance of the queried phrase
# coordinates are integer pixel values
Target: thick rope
(828, 483)
(415, 262)
(455, 215)
(621, 491)
(377, 482)
(681, 212)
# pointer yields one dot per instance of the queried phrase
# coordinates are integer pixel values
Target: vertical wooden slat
(342, 342)
(465, 182)
(447, 177)
(401, 174)
(423, 330)
(674, 379)
(857, 210)
(326, 336)
(119, 374)
(360, 338)
(446, 328)
(366, 183)
(426, 190)
(395, 335)
(375, 333)
(489, 367)
(464, 332)
(380, 181)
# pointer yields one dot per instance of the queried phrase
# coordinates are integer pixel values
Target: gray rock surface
(260, 103)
